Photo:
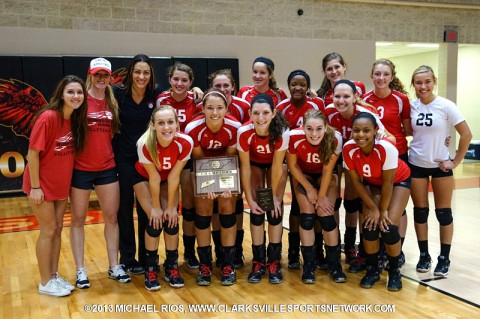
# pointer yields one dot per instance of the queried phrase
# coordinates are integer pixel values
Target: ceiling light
(383, 44)
(423, 45)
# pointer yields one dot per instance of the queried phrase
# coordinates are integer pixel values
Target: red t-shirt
(98, 152)
(213, 144)
(185, 109)
(391, 111)
(384, 156)
(179, 149)
(52, 137)
(294, 115)
(259, 147)
(248, 92)
(308, 158)
(360, 90)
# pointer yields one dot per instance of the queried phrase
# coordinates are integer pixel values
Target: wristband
(35, 187)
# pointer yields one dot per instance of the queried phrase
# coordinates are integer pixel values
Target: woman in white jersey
(432, 117)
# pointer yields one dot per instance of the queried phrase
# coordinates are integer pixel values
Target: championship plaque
(216, 175)
(264, 199)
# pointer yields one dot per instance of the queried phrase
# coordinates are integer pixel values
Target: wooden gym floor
(422, 296)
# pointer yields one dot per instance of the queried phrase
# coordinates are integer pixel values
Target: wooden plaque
(264, 199)
(216, 175)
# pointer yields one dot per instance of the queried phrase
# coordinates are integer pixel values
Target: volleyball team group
(134, 144)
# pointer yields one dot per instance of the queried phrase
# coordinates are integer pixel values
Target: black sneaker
(350, 255)
(293, 259)
(191, 260)
(229, 276)
(394, 280)
(134, 269)
(442, 267)
(308, 275)
(258, 271)
(360, 264)
(372, 276)
(204, 277)
(151, 279)
(424, 263)
(275, 272)
(172, 276)
(337, 274)
(321, 262)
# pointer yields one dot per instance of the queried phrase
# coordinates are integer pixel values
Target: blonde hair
(150, 135)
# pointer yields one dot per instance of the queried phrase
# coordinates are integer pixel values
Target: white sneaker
(82, 279)
(53, 288)
(62, 282)
(117, 273)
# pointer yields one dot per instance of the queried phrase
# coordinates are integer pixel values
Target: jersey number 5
(424, 119)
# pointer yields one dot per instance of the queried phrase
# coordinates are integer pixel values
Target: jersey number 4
(424, 119)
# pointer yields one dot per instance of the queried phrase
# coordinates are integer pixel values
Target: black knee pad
(153, 232)
(170, 230)
(239, 206)
(352, 205)
(338, 203)
(274, 220)
(202, 222)
(294, 208)
(307, 221)
(392, 236)
(227, 221)
(420, 214)
(257, 219)
(370, 235)
(188, 214)
(444, 216)
(328, 223)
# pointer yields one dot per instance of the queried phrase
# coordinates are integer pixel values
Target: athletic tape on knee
(257, 219)
(444, 216)
(227, 221)
(170, 230)
(420, 214)
(307, 221)
(202, 222)
(274, 220)
(328, 223)
(153, 232)
(392, 236)
(188, 214)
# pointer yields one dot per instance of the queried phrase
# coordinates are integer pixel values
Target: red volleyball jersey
(98, 152)
(52, 137)
(308, 158)
(248, 92)
(384, 156)
(213, 144)
(179, 149)
(185, 109)
(344, 126)
(360, 90)
(391, 111)
(259, 147)
(294, 115)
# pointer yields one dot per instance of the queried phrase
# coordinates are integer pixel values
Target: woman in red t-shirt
(59, 133)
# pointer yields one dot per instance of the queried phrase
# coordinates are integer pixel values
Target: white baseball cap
(100, 64)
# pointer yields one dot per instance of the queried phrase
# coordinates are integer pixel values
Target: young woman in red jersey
(312, 155)
(163, 152)
(59, 133)
(334, 69)
(294, 109)
(264, 79)
(215, 134)
(340, 115)
(382, 180)
(393, 107)
(180, 77)
(262, 144)
(238, 108)
(95, 167)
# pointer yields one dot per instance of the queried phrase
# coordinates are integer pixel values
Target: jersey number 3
(424, 119)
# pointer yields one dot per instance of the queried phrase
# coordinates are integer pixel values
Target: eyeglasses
(101, 75)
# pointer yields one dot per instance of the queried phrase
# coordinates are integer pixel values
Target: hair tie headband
(299, 72)
(267, 61)
(347, 82)
(262, 98)
(216, 92)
